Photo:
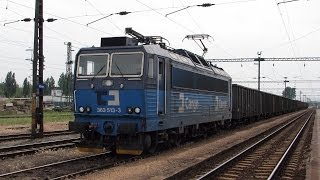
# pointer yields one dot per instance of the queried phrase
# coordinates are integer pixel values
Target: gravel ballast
(170, 162)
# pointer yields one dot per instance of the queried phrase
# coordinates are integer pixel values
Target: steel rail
(26, 135)
(34, 150)
(230, 160)
(100, 167)
(12, 151)
(54, 164)
(82, 172)
(32, 145)
(285, 156)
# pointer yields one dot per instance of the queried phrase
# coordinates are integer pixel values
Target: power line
(62, 18)
(166, 17)
(65, 36)
(309, 59)
(103, 14)
(288, 35)
(281, 81)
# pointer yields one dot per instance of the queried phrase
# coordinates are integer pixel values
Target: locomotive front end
(109, 99)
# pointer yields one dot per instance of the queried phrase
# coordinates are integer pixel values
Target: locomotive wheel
(178, 140)
(151, 143)
(227, 124)
(175, 140)
(147, 141)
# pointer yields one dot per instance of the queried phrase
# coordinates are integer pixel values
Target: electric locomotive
(132, 94)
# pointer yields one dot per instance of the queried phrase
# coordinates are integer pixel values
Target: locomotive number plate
(109, 110)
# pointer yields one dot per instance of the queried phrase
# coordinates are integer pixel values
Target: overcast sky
(239, 29)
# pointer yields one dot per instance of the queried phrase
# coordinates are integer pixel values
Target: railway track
(11, 151)
(71, 168)
(63, 169)
(29, 116)
(28, 135)
(261, 159)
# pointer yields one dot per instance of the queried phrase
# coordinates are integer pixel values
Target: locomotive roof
(175, 55)
(156, 49)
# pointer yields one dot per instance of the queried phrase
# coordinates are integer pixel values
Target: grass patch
(49, 117)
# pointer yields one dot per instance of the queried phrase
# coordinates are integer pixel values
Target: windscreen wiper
(93, 78)
(115, 63)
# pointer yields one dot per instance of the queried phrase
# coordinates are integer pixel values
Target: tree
(10, 85)
(26, 88)
(66, 83)
(1, 89)
(50, 84)
(289, 92)
(19, 92)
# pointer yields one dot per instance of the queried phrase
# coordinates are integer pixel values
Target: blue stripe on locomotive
(189, 108)
(185, 107)
(196, 104)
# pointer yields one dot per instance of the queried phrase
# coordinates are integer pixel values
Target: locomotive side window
(186, 79)
(150, 67)
(92, 65)
(126, 64)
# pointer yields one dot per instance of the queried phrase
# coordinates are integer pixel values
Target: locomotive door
(161, 86)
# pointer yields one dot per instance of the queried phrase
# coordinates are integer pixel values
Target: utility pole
(285, 86)
(69, 69)
(37, 85)
(259, 59)
(37, 71)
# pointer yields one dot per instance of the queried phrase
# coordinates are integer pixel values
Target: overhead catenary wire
(67, 36)
(286, 30)
(156, 11)
(102, 14)
(62, 18)
(162, 12)
(194, 21)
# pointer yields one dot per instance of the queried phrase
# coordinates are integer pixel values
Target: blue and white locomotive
(132, 94)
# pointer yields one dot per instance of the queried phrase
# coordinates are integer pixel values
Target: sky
(239, 29)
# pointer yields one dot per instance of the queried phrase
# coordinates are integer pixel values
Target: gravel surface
(168, 163)
(313, 164)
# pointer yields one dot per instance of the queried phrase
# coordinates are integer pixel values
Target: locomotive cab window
(92, 65)
(126, 64)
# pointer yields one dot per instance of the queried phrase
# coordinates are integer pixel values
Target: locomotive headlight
(108, 82)
(137, 110)
(81, 109)
(129, 110)
(88, 109)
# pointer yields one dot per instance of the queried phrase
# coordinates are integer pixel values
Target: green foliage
(1, 89)
(10, 85)
(49, 117)
(19, 92)
(66, 84)
(50, 84)
(289, 92)
(26, 89)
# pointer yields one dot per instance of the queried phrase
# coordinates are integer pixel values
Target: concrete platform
(313, 166)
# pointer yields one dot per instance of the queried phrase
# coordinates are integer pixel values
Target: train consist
(132, 94)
